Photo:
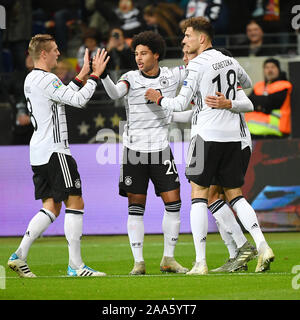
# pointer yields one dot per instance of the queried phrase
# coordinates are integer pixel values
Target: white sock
(171, 228)
(37, 225)
(224, 215)
(248, 219)
(228, 240)
(135, 229)
(73, 232)
(199, 226)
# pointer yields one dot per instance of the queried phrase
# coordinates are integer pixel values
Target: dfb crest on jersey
(77, 183)
(56, 83)
(164, 82)
(128, 181)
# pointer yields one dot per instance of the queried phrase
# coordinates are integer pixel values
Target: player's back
(217, 72)
(47, 117)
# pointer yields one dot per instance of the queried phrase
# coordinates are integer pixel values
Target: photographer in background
(121, 56)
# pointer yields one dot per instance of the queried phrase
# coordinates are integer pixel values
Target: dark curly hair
(154, 41)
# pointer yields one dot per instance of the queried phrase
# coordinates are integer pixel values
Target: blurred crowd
(246, 28)
(250, 25)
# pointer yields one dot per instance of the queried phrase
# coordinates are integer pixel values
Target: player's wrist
(94, 76)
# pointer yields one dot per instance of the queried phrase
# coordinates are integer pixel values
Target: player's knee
(174, 206)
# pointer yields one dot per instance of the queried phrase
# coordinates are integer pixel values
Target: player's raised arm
(115, 91)
(57, 91)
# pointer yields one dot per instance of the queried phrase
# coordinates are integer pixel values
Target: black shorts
(209, 160)
(57, 179)
(138, 167)
(246, 155)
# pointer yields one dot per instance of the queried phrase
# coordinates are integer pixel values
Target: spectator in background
(58, 16)
(130, 18)
(90, 41)
(99, 13)
(164, 18)
(64, 71)
(214, 10)
(121, 55)
(271, 99)
(256, 44)
(275, 17)
(18, 31)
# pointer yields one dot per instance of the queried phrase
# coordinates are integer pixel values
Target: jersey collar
(151, 77)
(39, 69)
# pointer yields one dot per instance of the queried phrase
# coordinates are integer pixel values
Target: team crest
(128, 181)
(164, 82)
(57, 83)
(77, 184)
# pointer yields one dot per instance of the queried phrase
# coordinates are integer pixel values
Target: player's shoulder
(129, 76)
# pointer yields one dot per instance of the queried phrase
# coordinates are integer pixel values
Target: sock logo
(255, 225)
(27, 233)
(174, 239)
(203, 239)
(136, 244)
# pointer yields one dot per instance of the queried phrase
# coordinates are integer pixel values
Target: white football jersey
(209, 72)
(46, 97)
(147, 124)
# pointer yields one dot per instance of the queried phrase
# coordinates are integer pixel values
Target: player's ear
(156, 56)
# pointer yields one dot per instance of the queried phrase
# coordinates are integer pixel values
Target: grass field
(48, 260)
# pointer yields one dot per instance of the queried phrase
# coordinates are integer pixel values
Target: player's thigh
(202, 161)
(199, 191)
(134, 198)
(134, 176)
(64, 177)
(170, 196)
(164, 174)
(74, 202)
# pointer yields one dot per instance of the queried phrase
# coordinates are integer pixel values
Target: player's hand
(23, 119)
(152, 95)
(100, 61)
(218, 102)
(85, 70)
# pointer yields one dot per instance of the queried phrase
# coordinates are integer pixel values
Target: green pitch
(48, 260)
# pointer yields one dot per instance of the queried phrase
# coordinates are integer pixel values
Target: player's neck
(153, 72)
(204, 47)
(41, 65)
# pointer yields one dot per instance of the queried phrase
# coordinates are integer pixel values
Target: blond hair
(38, 43)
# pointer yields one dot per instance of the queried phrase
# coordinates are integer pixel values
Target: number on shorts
(171, 165)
